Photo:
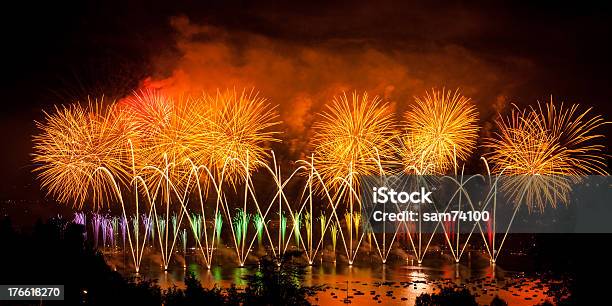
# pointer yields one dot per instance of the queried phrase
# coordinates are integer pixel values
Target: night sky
(63, 52)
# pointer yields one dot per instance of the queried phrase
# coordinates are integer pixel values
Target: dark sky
(57, 52)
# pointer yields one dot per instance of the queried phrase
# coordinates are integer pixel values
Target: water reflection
(392, 284)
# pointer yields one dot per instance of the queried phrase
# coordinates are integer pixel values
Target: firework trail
(297, 223)
(218, 226)
(79, 218)
(96, 224)
(258, 224)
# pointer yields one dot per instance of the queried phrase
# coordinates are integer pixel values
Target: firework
(355, 134)
(308, 226)
(96, 224)
(76, 142)
(283, 227)
(240, 126)
(440, 130)
(218, 226)
(151, 111)
(348, 218)
(135, 226)
(184, 241)
(79, 218)
(334, 228)
(543, 148)
(115, 227)
(173, 135)
(323, 224)
(241, 222)
(258, 224)
(297, 223)
(161, 224)
(357, 222)
(174, 220)
(196, 226)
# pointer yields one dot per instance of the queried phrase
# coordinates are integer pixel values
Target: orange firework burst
(440, 130)
(240, 126)
(546, 148)
(172, 136)
(151, 111)
(355, 134)
(75, 146)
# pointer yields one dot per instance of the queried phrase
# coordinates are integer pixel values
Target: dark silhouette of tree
(447, 297)
(278, 282)
(56, 253)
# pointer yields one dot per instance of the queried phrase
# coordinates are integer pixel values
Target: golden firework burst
(173, 136)
(440, 130)
(75, 147)
(543, 149)
(240, 124)
(353, 138)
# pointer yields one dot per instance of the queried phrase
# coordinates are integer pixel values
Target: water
(372, 283)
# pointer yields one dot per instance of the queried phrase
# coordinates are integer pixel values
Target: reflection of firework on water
(441, 126)
(546, 148)
(353, 136)
(74, 144)
(240, 124)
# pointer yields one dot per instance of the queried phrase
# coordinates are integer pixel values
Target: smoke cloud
(301, 77)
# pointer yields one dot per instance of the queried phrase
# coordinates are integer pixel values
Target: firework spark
(172, 135)
(353, 136)
(77, 141)
(240, 126)
(441, 129)
(545, 148)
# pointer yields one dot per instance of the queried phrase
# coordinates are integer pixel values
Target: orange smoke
(301, 77)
